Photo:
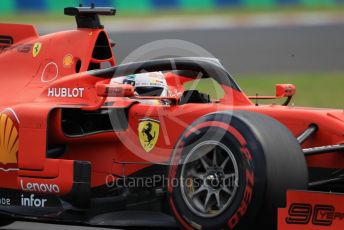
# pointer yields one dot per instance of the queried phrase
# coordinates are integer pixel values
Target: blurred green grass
(325, 90)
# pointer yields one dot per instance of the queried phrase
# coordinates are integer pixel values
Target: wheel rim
(209, 179)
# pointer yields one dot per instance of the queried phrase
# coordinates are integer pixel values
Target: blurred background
(261, 42)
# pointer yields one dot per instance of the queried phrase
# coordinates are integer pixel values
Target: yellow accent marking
(9, 125)
(12, 143)
(2, 133)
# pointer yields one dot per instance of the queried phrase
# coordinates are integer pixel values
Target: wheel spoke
(228, 176)
(204, 163)
(224, 163)
(226, 190)
(206, 202)
(193, 173)
(198, 191)
(218, 200)
(215, 157)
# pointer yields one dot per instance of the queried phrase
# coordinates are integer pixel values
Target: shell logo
(9, 140)
(68, 61)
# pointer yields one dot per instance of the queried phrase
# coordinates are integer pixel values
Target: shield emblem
(9, 140)
(148, 133)
(36, 49)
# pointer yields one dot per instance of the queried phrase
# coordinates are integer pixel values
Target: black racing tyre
(232, 171)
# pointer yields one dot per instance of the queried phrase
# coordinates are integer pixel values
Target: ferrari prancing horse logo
(36, 49)
(148, 133)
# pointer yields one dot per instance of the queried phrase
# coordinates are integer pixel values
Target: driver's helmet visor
(149, 91)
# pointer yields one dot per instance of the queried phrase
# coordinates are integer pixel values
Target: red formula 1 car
(168, 143)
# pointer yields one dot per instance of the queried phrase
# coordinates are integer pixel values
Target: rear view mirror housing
(285, 90)
(282, 91)
(115, 90)
(110, 90)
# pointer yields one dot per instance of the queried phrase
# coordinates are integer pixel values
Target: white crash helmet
(146, 84)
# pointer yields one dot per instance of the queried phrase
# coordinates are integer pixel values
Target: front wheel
(234, 171)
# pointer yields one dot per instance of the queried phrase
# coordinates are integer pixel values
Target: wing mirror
(285, 90)
(115, 90)
(282, 91)
(110, 90)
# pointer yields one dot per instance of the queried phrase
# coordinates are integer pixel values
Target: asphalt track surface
(243, 51)
(256, 50)
(304, 48)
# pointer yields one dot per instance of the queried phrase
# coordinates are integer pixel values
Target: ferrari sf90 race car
(169, 143)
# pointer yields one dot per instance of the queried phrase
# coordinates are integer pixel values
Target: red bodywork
(43, 75)
(312, 210)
